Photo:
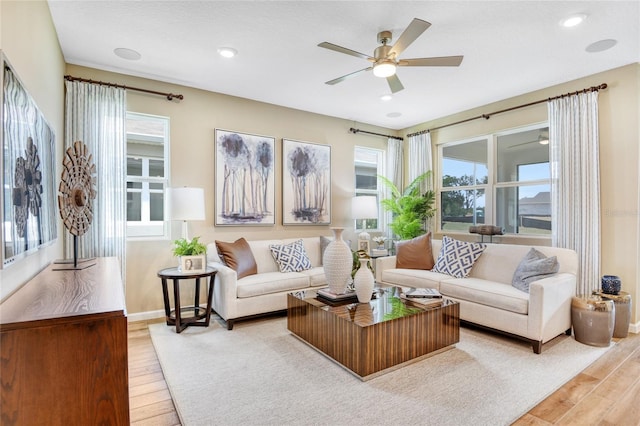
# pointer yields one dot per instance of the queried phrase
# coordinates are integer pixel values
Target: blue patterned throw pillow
(291, 257)
(456, 258)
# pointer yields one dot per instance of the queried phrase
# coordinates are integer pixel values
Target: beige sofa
(487, 297)
(266, 291)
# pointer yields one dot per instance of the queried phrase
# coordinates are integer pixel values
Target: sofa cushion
(456, 258)
(238, 256)
(316, 276)
(413, 278)
(489, 293)
(290, 257)
(271, 282)
(415, 253)
(534, 266)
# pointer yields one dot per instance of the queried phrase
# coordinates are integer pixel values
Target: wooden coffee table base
(368, 350)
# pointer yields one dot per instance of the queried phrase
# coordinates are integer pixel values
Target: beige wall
(30, 44)
(193, 121)
(619, 110)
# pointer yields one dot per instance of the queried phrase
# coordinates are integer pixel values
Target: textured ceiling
(509, 48)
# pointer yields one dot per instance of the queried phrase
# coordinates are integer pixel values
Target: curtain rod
(354, 131)
(488, 116)
(169, 96)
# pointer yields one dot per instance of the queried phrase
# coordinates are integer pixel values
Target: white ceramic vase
(363, 281)
(337, 262)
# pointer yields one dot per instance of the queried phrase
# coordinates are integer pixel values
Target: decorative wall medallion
(77, 189)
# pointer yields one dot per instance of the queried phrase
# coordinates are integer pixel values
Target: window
(369, 163)
(501, 179)
(147, 175)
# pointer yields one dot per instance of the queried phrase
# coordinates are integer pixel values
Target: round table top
(174, 273)
(622, 296)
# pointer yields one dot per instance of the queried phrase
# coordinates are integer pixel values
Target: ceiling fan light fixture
(384, 69)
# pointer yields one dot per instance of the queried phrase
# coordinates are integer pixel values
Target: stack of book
(327, 294)
(423, 296)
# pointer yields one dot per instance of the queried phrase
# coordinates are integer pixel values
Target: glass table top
(386, 305)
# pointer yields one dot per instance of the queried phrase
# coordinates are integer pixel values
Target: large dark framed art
(245, 179)
(28, 172)
(306, 183)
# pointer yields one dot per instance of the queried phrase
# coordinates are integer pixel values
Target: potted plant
(410, 208)
(191, 254)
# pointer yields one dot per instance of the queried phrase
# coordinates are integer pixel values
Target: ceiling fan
(385, 58)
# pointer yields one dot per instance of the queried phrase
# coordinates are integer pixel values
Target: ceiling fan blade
(344, 77)
(413, 31)
(442, 61)
(394, 83)
(344, 50)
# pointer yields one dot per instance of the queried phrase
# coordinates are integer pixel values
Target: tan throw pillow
(238, 256)
(415, 253)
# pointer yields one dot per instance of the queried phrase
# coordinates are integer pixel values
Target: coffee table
(369, 339)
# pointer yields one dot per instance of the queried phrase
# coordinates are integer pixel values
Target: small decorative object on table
(611, 284)
(191, 255)
(379, 242)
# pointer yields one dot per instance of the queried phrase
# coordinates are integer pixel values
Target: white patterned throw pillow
(456, 258)
(291, 257)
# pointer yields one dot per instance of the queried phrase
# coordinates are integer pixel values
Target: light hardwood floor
(605, 393)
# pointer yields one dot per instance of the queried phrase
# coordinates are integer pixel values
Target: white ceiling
(509, 48)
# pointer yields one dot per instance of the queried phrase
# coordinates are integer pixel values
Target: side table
(622, 301)
(194, 315)
(592, 318)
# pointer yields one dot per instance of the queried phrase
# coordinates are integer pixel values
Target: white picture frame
(193, 264)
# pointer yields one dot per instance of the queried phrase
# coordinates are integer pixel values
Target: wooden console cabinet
(63, 349)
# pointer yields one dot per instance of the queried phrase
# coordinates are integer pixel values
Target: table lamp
(187, 204)
(364, 207)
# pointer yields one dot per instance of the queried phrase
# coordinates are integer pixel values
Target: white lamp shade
(187, 204)
(364, 207)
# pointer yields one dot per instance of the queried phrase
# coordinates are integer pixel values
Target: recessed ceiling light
(386, 97)
(227, 52)
(128, 54)
(394, 114)
(600, 46)
(573, 20)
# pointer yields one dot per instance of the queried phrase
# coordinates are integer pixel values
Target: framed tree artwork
(28, 212)
(245, 181)
(306, 183)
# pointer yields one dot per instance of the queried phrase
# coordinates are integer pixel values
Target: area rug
(260, 374)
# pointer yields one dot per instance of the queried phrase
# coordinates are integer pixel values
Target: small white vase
(337, 262)
(364, 282)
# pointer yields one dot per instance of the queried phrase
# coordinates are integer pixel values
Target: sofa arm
(550, 306)
(382, 263)
(225, 290)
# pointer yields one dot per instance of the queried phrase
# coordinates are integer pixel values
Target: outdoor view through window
(501, 179)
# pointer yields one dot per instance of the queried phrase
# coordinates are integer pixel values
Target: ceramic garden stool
(593, 320)
(622, 301)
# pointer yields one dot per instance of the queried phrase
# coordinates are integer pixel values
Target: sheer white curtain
(420, 159)
(394, 169)
(96, 115)
(575, 179)
(420, 162)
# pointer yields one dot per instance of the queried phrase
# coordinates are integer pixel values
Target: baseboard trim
(634, 328)
(145, 316)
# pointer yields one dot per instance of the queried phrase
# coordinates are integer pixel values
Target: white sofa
(487, 297)
(266, 291)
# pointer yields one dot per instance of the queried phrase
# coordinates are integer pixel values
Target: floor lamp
(187, 204)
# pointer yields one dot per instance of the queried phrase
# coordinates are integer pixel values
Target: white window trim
(379, 191)
(139, 231)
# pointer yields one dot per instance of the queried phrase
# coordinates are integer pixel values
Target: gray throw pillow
(533, 267)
